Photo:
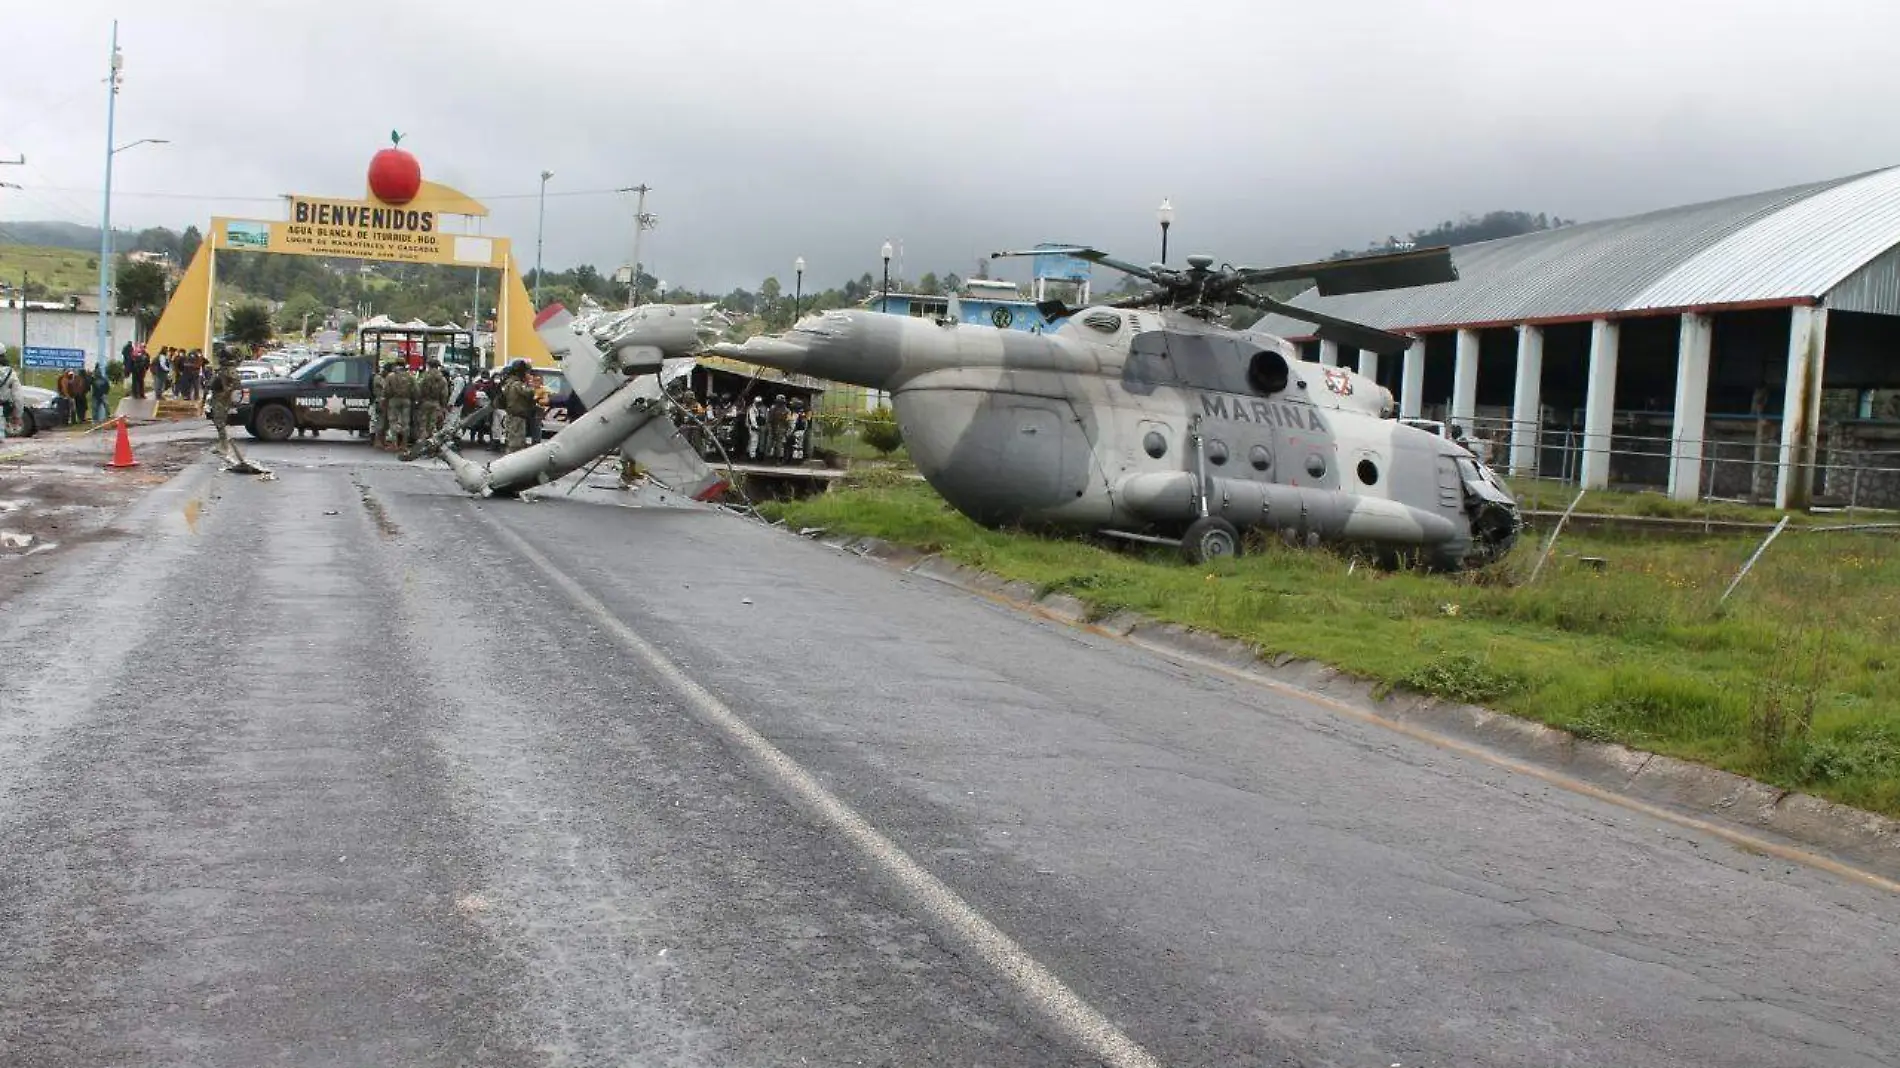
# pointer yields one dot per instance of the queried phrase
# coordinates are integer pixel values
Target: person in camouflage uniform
(517, 404)
(222, 390)
(378, 407)
(400, 388)
(432, 399)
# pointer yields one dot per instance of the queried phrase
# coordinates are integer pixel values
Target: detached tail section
(659, 448)
(624, 413)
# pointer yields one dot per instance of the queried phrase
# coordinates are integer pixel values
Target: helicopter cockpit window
(1267, 372)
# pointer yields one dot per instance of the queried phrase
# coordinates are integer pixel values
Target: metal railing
(1728, 468)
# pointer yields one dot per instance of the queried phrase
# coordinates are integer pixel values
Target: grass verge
(1793, 682)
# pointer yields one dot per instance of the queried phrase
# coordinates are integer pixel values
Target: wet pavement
(345, 768)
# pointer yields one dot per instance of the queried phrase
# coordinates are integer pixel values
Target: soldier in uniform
(801, 432)
(9, 396)
(754, 428)
(778, 430)
(432, 398)
(400, 387)
(222, 390)
(517, 404)
(378, 407)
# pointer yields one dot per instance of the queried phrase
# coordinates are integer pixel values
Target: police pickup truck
(328, 393)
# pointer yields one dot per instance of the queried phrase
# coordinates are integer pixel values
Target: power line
(275, 199)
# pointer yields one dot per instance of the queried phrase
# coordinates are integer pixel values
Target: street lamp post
(540, 222)
(1165, 216)
(885, 304)
(798, 287)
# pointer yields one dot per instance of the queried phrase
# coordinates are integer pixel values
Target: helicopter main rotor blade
(1333, 328)
(1081, 253)
(1363, 274)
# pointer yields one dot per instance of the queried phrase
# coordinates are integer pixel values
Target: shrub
(881, 432)
(1460, 677)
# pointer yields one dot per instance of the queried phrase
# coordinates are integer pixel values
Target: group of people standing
(85, 391)
(174, 372)
(406, 406)
(767, 432)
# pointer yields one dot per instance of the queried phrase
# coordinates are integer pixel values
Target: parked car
(40, 407)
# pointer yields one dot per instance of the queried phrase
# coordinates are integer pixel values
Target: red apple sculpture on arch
(394, 175)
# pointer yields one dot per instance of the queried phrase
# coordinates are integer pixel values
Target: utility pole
(104, 330)
(641, 221)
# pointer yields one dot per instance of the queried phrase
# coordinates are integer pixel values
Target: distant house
(998, 303)
(163, 259)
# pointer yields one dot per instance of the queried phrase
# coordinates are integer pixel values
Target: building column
(1329, 354)
(1599, 405)
(1464, 381)
(1801, 407)
(1412, 382)
(1527, 400)
(1690, 425)
(1369, 364)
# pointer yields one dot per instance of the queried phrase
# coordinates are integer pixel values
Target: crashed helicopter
(1143, 420)
(620, 365)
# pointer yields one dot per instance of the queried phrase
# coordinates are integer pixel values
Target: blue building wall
(1004, 314)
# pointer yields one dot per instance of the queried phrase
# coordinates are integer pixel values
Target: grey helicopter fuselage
(1142, 422)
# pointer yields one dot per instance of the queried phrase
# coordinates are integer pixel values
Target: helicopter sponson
(1154, 425)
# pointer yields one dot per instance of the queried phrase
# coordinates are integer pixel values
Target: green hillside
(61, 271)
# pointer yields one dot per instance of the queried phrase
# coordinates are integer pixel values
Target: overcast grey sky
(771, 130)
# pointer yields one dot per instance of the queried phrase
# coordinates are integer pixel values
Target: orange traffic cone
(122, 449)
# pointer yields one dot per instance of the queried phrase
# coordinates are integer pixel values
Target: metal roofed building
(1726, 306)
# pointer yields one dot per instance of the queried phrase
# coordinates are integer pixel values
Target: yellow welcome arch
(366, 229)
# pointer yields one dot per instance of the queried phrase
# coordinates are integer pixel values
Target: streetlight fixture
(886, 303)
(540, 223)
(798, 286)
(1165, 216)
(105, 221)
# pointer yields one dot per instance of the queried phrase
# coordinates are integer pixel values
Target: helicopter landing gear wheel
(1210, 538)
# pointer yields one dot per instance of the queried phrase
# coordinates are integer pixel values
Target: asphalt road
(345, 768)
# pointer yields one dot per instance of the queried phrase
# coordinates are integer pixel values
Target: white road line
(1063, 1009)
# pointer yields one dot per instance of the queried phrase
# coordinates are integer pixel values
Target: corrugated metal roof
(1874, 288)
(1784, 244)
